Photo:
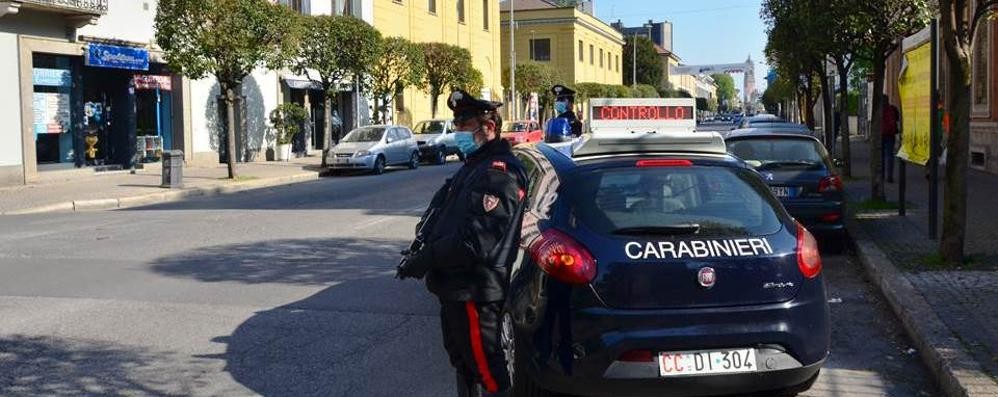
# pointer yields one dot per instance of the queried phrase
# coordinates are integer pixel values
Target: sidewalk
(952, 314)
(122, 189)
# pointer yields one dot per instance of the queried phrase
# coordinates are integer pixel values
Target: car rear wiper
(670, 230)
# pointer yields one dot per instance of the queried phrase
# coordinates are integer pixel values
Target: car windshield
(430, 127)
(768, 153)
(366, 134)
(705, 201)
(514, 126)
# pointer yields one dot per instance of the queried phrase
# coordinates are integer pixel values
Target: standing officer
(466, 253)
(564, 107)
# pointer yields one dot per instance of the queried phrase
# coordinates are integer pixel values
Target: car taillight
(563, 258)
(808, 257)
(830, 184)
(637, 356)
(831, 217)
(663, 163)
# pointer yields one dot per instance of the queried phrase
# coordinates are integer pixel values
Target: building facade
(471, 24)
(580, 46)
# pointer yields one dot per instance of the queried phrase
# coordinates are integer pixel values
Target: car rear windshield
(367, 134)
(701, 200)
(779, 152)
(429, 127)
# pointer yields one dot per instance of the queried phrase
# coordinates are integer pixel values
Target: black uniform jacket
(573, 120)
(474, 240)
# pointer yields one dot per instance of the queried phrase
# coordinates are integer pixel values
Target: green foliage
(400, 64)
(536, 77)
(448, 67)
(585, 91)
(225, 38)
(287, 119)
(649, 62)
(645, 91)
(725, 86)
(335, 48)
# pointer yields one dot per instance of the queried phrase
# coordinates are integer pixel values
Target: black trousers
(471, 337)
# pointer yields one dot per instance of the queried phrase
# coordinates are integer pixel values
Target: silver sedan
(375, 147)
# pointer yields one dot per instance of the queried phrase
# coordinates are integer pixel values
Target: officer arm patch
(489, 202)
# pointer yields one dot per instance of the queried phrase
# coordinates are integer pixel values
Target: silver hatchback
(375, 147)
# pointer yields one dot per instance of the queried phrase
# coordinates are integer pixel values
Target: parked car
(799, 172)
(750, 121)
(435, 139)
(524, 131)
(374, 148)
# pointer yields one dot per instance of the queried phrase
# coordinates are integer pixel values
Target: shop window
(540, 49)
(460, 11)
(981, 74)
(52, 79)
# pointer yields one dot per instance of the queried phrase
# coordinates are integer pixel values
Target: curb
(165, 196)
(956, 372)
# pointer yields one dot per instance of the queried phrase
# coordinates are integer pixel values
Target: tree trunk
(230, 134)
(876, 158)
(828, 113)
(954, 228)
(327, 125)
(845, 154)
(434, 95)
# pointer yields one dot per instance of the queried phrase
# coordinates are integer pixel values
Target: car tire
(461, 156)
(440, 158)
(522, 384)
(414, 161)
(379, 165)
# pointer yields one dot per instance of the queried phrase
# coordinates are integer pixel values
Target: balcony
(76, 12)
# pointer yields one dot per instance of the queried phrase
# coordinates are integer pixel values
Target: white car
(374, 148)
(436, 140)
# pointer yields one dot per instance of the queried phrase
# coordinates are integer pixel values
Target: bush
(287, 119)
(645, 91)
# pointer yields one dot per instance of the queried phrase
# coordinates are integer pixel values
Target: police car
(653, 263)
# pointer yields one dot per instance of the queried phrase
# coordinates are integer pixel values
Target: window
(618, 63)
(432, 6)
(485, 14)
(582, 56)
(600, 57)
(981, 74)
(300, 6)
(540, 49)
(591, 54)
(343, 7)
(460, 11)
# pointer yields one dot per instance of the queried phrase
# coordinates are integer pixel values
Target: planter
(282, 152)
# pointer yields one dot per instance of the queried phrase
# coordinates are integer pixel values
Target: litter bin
(173, 169)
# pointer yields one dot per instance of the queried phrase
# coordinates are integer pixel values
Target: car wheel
(441, 158)
(379, 165)
(522, 384)
(461, 156)
(414, 161)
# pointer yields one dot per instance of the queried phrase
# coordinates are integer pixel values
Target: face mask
(465, 141)
(561, 107)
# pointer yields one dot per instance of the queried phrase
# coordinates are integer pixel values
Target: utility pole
(514, 107)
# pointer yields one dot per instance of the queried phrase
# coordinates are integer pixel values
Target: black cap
(561, 92)
(466, 106)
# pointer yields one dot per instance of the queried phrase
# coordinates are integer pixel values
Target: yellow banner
(916, 107)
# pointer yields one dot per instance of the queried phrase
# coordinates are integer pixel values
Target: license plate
(342, 161)
(783, 191)
(706, 362)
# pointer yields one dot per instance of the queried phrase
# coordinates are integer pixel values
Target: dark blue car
(666, 270)
(800, 173)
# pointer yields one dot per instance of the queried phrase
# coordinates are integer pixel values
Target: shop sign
(52, 115)
(152, 82)
(117, 57)
(51, 77)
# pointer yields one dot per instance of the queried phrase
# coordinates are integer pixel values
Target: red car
(525, 131)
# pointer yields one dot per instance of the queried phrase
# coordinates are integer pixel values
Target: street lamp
(634, 54)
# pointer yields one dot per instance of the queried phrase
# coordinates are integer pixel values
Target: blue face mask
(465, 141)
(560, 107)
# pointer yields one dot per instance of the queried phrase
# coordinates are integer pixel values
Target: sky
(704, 31)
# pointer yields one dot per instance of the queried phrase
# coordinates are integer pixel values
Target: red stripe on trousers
(476, 348)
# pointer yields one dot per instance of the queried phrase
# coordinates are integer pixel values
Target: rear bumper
(810, 215)
(577, 354)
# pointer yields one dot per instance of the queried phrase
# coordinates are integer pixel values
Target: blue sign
(117, 57)
(51, 77)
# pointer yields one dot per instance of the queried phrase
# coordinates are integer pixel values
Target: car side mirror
(389, 140)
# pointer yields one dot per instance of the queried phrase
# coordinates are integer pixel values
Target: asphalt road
(288, 291)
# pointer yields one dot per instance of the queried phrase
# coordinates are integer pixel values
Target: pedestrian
(889, 129)
(469, 244)
(564, 107)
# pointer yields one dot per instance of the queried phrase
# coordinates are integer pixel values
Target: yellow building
(577, 44)
(472, 24)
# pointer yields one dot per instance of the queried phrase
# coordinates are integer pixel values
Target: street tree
(649, 62)
(399, 64)
(846, 34)
(959, 29)
(335, 50)
(889, 20)
(725, 87)
(448, 67)
(537, 78)
(226, 39)
(794, 45)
